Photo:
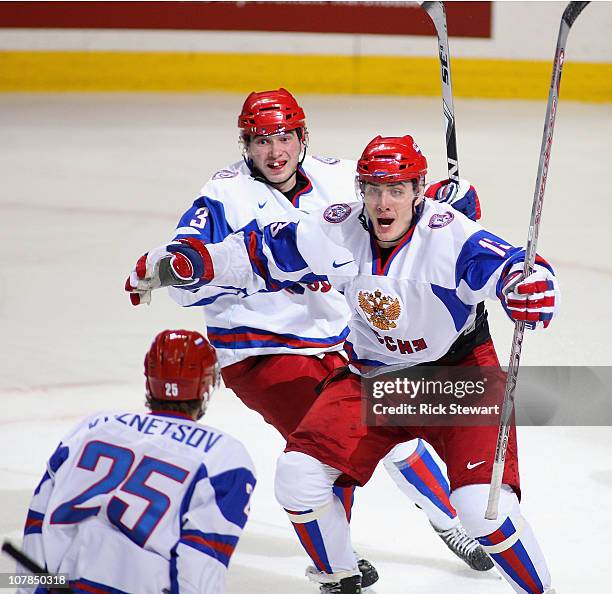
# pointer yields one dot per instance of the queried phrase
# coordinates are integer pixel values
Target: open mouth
(276, 165)
(384, 223)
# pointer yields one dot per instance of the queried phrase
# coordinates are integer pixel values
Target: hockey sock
(303, 487)
(346, 495)
(418, 475)
(509, 540)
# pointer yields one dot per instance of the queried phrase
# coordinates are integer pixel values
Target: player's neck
(300, 181)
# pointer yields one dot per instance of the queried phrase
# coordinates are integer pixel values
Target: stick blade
(571, 12)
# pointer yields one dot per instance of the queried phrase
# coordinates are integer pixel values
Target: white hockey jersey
(409, 310)
(312, 318)
(141, 503)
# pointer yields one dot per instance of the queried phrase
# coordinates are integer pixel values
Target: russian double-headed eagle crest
(380, 310)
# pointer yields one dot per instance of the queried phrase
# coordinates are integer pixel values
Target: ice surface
(89, 182)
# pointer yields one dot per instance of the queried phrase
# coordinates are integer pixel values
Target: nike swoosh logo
(342, 264)
(471, 466)
(262, 205)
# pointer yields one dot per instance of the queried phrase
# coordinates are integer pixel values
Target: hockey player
(276, 347)
(435, 265)
(154, 502)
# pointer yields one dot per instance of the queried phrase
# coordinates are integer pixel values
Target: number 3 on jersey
(122, 461)
(199, 222)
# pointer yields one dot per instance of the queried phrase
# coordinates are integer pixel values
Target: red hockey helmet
(270, 112)
(391, 159)
(181, 365)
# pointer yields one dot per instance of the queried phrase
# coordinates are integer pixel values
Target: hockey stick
(570, 14)
(28, 563)
(437, 14)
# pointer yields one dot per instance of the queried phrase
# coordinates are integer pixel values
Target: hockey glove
(179, 263)
(462, 196)
(533, 300)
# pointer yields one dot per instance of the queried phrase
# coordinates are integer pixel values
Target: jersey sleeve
(213, 514)
(267, 259)
(483, 264)
(37, 512)
(480, 268)
(206, 220)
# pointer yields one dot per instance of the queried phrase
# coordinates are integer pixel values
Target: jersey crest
(336, 213)
(438, 221)
(380, 310)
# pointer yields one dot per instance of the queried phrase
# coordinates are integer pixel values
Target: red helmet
(270, 112)
(391, 159)
(181, 365)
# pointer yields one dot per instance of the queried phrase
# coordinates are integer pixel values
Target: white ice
(90, 182)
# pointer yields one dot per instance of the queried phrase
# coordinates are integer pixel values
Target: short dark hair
(187, 407)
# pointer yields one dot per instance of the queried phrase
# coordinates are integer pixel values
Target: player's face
(277, 157)
(390, 208)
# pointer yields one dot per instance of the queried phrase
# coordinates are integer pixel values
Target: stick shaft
(28, 563)
(22, 559)
(437, 14)
(569, 16)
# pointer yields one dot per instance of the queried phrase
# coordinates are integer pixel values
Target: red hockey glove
(183, 262)
(533, 300)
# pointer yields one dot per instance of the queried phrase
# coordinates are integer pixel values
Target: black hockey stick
(570, 14)
(28, 563)
(22, 558)
(437, 14)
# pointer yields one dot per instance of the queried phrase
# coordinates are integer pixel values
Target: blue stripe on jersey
(217, 546)
(234, 292)
(353, 358)
(282, 247)
(482, 254)
(282, 241)
(210, 226)
(232, 494)
(55, 461)
(200, 475)
(43, 480)
(245, 337)
(88, 586)
(34, 522)
(58, 457)
(457, 309)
